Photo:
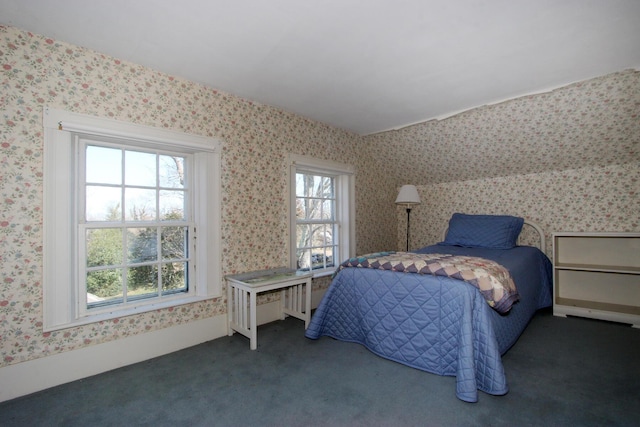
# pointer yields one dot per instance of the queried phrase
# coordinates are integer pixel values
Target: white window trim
(59, 215)
(345, 189)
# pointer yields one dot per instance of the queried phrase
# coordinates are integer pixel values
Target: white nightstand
(242, 291)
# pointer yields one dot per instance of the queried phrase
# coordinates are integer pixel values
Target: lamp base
(408, 223)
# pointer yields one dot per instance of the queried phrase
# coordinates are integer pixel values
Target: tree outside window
(316, 226)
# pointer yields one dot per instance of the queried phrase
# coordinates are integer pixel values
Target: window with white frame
(322, 214)
(131, 219)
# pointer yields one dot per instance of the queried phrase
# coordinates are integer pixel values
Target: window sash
(160, 191)
(125, 265)
(315, 196)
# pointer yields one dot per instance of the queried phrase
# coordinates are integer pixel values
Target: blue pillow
(483, 231)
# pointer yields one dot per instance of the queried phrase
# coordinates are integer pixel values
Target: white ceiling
(360, 65)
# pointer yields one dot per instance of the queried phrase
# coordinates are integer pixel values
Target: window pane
(142, 282)
(103, 203)
(318, 259)
(300, 210)
(140, 169)
(104, 286)
(174, 277)
(325, 188)
(172, 171)
(174, 242)
(104, 247)
(303, 235)
(300, 185)
(139, 204)
(104, 165)
(314, 209)
(319, 187)
(319, 236)
(142, 244)
(172, 205)
(308, 185)
(304, 259)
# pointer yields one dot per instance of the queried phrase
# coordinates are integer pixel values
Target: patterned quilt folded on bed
(492, 279)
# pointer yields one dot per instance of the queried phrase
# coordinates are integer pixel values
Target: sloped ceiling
(363, 66)
(592, 124)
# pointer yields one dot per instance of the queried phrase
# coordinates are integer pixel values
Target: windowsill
(323, 273)
(115, 314)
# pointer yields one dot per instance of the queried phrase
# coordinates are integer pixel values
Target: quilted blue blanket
(492, 279)
(433, 323)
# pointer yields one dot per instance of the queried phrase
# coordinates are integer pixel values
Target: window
(135, 228)
(322, 214)
(131, 219)
(316, 226)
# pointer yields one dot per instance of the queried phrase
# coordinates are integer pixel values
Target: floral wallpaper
(594, 123)
(591, 199)
(567, 159)
(36, 71)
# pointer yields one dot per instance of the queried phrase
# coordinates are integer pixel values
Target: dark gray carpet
(562, 372)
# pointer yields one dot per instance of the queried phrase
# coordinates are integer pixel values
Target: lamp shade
(408, 195)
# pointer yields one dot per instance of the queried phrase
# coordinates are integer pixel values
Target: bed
(441, 323)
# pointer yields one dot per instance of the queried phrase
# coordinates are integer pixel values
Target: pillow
(483, 231)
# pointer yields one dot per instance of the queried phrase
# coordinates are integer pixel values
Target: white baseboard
(39, 374)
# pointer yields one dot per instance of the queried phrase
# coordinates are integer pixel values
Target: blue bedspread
(437, 324)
